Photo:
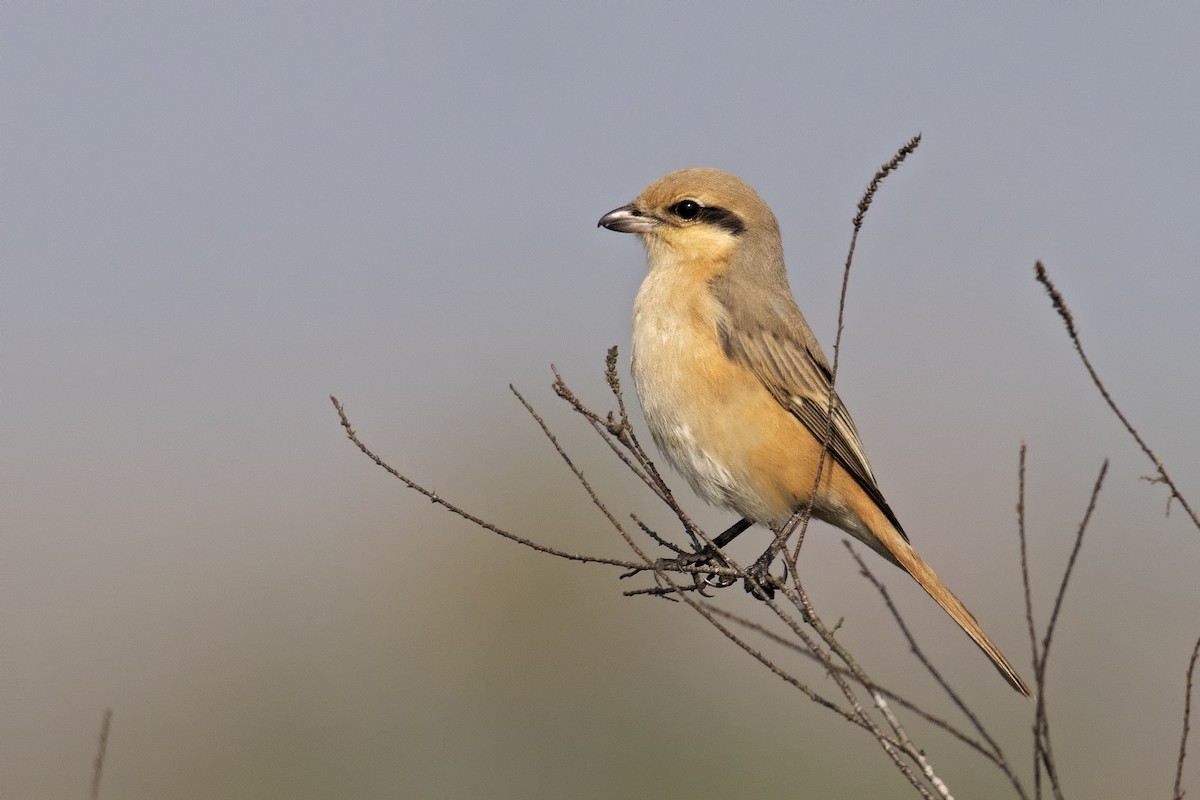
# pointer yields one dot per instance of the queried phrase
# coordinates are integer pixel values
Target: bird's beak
(627, 219)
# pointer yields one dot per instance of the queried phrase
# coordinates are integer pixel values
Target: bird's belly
(695, 401)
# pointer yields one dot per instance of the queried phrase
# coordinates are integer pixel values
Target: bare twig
(893, 747)
(619, 431)
(856, 715)
(1025, 581)
(646, 529)
(1060, 305)
(994, 754)
(1043, 751)
(1062, 587)
(1026, 584)
(454, 509)
(884, 171)
(614, 431)
(1187, 714)
(800, 519)
(101, 750)
(891, 696)
(914, 753)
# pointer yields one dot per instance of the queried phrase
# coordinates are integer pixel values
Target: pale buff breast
(695, 400)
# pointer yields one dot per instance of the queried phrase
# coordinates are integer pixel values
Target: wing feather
(781, 351)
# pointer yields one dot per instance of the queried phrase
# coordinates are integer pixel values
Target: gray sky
(215, 216)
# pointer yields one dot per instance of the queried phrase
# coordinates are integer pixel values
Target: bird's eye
(686, 209)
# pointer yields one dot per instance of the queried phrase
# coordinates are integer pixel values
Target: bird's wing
(781, 350)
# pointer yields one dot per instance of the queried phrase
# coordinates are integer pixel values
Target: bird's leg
(732, 532)
(711, 555)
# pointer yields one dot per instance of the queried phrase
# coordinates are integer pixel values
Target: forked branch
(1161, 476)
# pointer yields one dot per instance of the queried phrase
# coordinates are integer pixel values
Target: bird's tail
(913, 564)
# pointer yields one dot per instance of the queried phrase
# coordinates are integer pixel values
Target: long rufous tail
(914, 565)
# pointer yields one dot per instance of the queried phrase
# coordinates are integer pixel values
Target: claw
(718, 581)
(760, 583)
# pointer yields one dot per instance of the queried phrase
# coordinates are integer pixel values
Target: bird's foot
(707, 557)
(760, 583)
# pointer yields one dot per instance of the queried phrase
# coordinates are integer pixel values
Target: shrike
(734, 385)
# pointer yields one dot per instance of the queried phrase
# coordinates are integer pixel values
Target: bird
(734, 386)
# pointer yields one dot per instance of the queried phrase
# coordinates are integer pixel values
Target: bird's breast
(695, 399)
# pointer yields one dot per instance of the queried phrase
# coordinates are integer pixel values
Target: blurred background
(215, 216)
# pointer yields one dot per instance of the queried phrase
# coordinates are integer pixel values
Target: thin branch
(437, 499)
(996, 754)
(915, 754)
(1043, 751)
(801, 518)
(884, 171)
(831, 403)
(799, 598)
(1033, 644)
(620, 431)
(856, 716)
(1187, 714)
(1060, 305)
(612, 431)
(1025, 581)
(596, 501)
(101, 750)
(892, 696)
(646, 529)
(702, 609)
(708, 611)
(890, 746)
(798, 524)
(1062, 587)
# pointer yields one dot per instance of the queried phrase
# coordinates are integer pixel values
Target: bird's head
(696, 213)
